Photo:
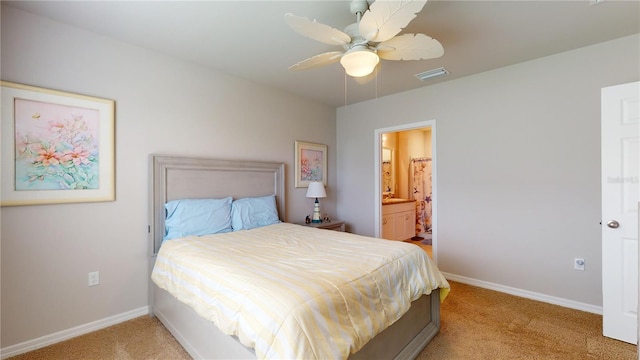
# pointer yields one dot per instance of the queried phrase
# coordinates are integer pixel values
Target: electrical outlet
(94, 278)
(578, 264)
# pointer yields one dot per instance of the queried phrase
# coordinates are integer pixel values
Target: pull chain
(345, 88)
(376, 83)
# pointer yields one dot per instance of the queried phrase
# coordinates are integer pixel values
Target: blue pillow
(249, 213)
(197, 217)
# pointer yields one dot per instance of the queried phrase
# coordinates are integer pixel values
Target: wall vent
(432, 73)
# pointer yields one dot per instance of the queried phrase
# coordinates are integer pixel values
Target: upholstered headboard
(175, 177)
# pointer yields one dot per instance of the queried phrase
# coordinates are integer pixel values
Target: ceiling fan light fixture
(359, 61)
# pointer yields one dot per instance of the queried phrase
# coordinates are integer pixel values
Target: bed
(174, 178)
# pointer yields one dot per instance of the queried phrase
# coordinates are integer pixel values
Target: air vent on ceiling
(430, 74)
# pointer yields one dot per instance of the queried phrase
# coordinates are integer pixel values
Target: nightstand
(336, 225)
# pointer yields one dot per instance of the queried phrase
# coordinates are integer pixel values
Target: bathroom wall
(411, 144)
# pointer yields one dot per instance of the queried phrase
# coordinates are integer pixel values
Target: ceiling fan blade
(410, 47)
(386, 18)
(317, 61)
(316, 31)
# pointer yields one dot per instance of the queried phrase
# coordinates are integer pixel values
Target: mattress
(290, 291)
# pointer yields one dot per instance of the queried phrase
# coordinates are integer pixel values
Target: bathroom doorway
(405, 160)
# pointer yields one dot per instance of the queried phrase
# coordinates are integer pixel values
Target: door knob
(613, 224)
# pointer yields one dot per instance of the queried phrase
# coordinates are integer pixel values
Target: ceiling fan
(371, 37)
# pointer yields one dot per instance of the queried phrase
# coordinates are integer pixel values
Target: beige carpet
(475, 324)
(483, 324)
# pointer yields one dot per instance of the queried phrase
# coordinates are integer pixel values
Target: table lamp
(316, 190)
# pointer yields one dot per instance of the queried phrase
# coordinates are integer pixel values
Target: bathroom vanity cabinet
(398, 219)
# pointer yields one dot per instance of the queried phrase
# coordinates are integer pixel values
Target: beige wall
(518, 168)
(162, 106)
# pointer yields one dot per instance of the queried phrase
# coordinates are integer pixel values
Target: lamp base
(315, 218)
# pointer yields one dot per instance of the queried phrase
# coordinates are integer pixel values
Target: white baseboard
(526, 294)
(71, 333)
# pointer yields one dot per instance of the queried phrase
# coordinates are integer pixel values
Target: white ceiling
(250, 38)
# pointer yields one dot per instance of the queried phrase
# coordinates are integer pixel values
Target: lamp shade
(359, 61)
(316, 190)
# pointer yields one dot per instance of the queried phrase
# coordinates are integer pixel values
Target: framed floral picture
(57, 147)
(310, 163)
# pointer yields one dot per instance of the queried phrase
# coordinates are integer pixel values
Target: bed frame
(174, 177)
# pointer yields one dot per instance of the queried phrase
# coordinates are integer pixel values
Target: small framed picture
(57, 147)
(310, 163)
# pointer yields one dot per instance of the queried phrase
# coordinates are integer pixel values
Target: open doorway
(405, 160)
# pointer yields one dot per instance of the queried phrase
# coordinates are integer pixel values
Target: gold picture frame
(57, 147)
(310, 163)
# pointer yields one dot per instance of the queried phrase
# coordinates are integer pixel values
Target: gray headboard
(175, 177)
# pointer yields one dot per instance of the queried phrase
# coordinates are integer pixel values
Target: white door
(620, 197)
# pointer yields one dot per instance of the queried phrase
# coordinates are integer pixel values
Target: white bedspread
(294, 292)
